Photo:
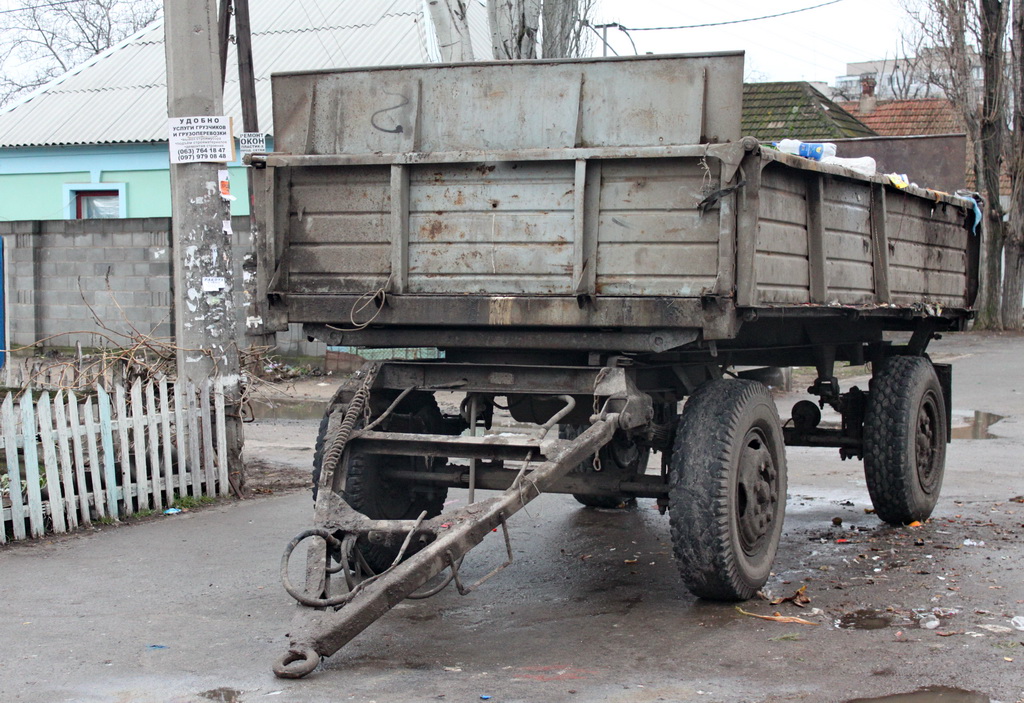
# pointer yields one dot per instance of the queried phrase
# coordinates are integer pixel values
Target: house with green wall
(93, 142)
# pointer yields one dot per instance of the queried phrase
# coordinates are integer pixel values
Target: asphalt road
(189, 607)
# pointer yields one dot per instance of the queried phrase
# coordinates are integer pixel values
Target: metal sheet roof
(120, 95)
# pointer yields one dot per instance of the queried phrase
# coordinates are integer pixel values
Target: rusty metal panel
(643, 101)
(780, 264)
(926, 243)
(492, 228)
(927, 251)
(849, 268)
(652, 240)
(338, 236)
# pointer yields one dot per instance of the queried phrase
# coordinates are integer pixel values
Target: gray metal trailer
(589, 242)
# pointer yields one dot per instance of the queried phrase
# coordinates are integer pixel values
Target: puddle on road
(932, 694)
(865, 620)
(978, 427)
(222, 695)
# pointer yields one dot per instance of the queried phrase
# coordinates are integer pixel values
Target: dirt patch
(263, 477)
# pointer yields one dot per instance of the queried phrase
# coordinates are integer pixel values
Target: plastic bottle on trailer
(808, 150)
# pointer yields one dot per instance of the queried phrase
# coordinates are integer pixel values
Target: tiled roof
(120, 96)
(902, 118)
(796, 110)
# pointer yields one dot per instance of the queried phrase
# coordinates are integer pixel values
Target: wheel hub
(926, 443)
(756, 492)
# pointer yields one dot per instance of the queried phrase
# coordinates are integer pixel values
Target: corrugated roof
(121, 95)
(902, 118)
(796, 110)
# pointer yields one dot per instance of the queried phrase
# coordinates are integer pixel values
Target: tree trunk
(1012, 306)
(452, 29)
(992, 130)
(561, 28)
(514, 25)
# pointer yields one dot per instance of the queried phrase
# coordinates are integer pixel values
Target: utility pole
(204, 315)
(256, 334)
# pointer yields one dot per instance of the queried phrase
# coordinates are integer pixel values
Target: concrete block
(139, 254)
(122, 239)
(49, 268)
(128, 284)
(153, 224)
(144, 240)
(114, 254)
(55, 312)
(160, 269)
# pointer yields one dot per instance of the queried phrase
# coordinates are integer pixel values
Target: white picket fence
(72, 459)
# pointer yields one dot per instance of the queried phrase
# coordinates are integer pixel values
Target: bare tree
(450, 22)
(40, 41)
(516, 26)
(992, 132)
(563, 27)
(910, 77)
(956, 32)
(1013, 251)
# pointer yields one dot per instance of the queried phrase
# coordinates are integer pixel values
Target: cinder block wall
(93, 281)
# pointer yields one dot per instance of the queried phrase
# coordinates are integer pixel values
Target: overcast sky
(814, 45)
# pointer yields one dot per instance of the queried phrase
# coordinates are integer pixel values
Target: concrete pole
(204, 321)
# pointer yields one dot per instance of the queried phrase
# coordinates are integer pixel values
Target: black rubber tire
(621, 456)
(905, 439)
(368, 492)
(727, 489)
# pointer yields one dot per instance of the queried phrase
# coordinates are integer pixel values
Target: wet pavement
(189, 608)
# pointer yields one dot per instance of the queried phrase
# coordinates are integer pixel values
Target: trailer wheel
(727, 489)
(622, 456)
(368, 491)
(904, 439)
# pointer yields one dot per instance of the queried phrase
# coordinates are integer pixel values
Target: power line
(719, 24)
(57, 3)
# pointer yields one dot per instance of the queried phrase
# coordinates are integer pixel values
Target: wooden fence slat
(67, 468)
(139, 437)
(54, 494)
(165, 426)
(222, 437)
(124, 450)
(154, 448)
(12, 485)
(76, 442)
(107, 441)
(181, 432)
(193, 440)
(62, 453)
(95, 469)
(13, 470)
(37, 526)
(208, 463)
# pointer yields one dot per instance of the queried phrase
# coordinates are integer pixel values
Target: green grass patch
(190, 502)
